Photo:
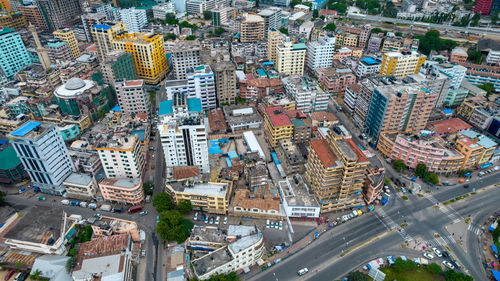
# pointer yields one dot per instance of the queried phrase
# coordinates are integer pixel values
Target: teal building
(13, 54)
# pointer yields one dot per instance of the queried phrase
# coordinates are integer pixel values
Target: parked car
(437, 252)
(267, 224)
(445, 254)
(455, 263)
(97, 215)
(303, 271)
(448, 265)
(217, 220)
(195, 216)
(281, 225)
(211, 220)
(18, 276)
(206, 219)
(143, 253)
(143, 213)
(225, 220)
(428, 256)
(203, 216)
(9, 274)
(276, 225)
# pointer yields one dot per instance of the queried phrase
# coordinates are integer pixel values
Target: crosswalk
(450, 213)
(474, 229)
(440, 241)
(389, 223)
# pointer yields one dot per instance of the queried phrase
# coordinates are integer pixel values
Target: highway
(474, 30)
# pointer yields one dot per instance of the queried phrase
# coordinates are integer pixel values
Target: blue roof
(101, 26)
(369, 61)
(447, 111)
(26, 128)
(166, 107)
(117, 108)
(299, 46)
(232, 154)
(194, 105)
(484, 141)
(139, 133)
(494, 248)
(268, 63)
(261, 72)
(2, 142)
(229, 164)
(496, 274)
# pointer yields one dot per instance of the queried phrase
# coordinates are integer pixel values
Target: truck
(73, 203)
(92, 206)
(83, 204)
(106, 207)
(65, 202)
(135, 209)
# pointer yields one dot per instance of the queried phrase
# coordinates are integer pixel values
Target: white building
(320, 53)
(367, 67)
(296, 200)
(185, 54)
(121, 157)
(44, 155)
(132, 97)
(183, 132)
(134, 19)
(272, 18)
(454, 72)
(80, 186)
(194, 7)
(493, 57)
(180, 6)
(307, 95)
(161, 10)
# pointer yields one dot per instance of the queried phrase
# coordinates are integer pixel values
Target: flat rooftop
(297, 194)
(392, 91)
(39, 224)
(125, 143)
(211, 234)
(211, 261)
(204, 189)
(122, 182)
(244, 242)
(78, 178)
(241, 230)
(31, 130)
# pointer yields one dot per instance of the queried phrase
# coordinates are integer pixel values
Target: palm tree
(36, 275)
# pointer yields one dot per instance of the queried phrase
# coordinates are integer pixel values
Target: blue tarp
(414, 179)
(486, 165)
(228, 161)
(494, 248)
(447, 111)
(3, 142)
(275, 158)
(139, 133)
(232, 154)
(496, 274)
(25, 129)
(117, 108)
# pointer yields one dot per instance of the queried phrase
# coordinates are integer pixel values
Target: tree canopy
(184, 206)
(190, 37)
(399, 165)
(330, 27)
(357, 276)
(421, 170)
(488, 87)
(163, 202)
(284, 30)
(452, 275)
(432, 41)
(390, 10)
(372, 6)
(207, 15)
(171, 19)
(148, 187)
(172, 226)
(431, 178)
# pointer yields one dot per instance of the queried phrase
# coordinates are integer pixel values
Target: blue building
(13, 54)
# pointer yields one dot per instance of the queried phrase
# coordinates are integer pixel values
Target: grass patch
(420, 195)
(387, 181)
(397, 189)
(473, 193)
(419, 274)
(404, 197)
(467, 220)
(403, 225)
(436, 235)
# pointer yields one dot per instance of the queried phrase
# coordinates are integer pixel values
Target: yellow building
(357, 52)
(252, 28)
(67, 35)
(469, 105)
(471, 151)
(487, 145)
(274, 37)
(211, 197)
(401, 64)
(347, 39)
(103, 35)
(83, 121)
(149, 54)
(277, 125)
(291, 58)
(12, 20)
(391, 45)
(7, 125)
(5, 5)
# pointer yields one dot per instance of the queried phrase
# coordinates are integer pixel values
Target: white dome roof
(74, 84)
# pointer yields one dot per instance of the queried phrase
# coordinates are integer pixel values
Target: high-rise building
(185, 54)
(403, 107)
(320, 53)
(199, 84)
(274, 37)
(122, 157)
(134, 19)
(194, 7)
(13, 54)
(183, 133)
(225, 75)
(272, 18)
(308, 96)
(67, 35)
(44, 155)
(401, 64)
(12, 20)
(454, 72)
(59, 13)
(336, 171)
(161, 10)
(33, 15)
(118, 65)
(483, 7)
(89, 20)
(277, 125)
(103, 35)
(58, 51)
(149, 54)
(180, 6)
(132, 96)
(291, 58)
(252, 28)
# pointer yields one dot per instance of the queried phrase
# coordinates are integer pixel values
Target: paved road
(475, 30)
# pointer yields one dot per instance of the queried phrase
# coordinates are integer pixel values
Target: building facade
(67, 35)
(252, 28)
(122, 157)
(320, 53)
(401, 64)
(122, 190)
(291, 58)
(132, 97)
(134, 19)
(80, 186)
(103, 35)
(118, 65)
(13, 54)
(277, 125)
(185, 54)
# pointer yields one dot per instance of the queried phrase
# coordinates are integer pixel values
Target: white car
(281, 225)
(448, 265)
(303, 271)
(217, 220)
(195, 216)
(437, 252)
(225, 220)
(267, 224)
(206, 219)
(428, 256)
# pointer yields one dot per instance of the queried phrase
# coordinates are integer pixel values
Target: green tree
(171, 19)
(432, 178)
(163, 202)
(219, 30)
(330, 27)
(488, 87)
(451, 275)
(494, 17)
(401, 265)
(399, 165)
(435, 269)
(357, 276)
(390, 10)
(225, 277)
(207, 15)
(315, 13)
(322, 17)
(475, 20)
(70, 264)
(148, 187)
(257, 3)
(36, 275)
(2, 196)
(172, 226)
(284, 30)
(169, 36)
(184, 206)
(294, 2)
(190, 37)
(421, 170)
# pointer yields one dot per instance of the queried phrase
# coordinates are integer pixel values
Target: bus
(135, 209)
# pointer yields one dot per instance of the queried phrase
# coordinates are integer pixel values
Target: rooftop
(323, 116)
(185, 172)
(278, 117)
(243, 243)
(243, 198)
(203, 189)
(480, 139)
(9, 159)
(34, 228)
(78, 178)
(325, 154)
(186, 46)
(216, 120)
(203, 233)
(448, 126)
(73, 88)
(297, 194)
(31, 130)
(370, 61)
(121, 182)
(120, 143)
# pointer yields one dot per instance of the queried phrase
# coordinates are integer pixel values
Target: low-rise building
(458, 55)
(260, 202)
(290, 157)
(213, 197)
(242, 118)
(367, 67)
(335, 80)
(374, 184)
(302, 126)
(323, 119)
(80, 186)
(254, 89)
(122, 190)
(108, 226)
(298, 203)
(308, 96)
(11, 169)
(256, 175)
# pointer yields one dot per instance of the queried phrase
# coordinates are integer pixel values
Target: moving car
(437, 252)
(195, 216)
(448, 265)
(143, 253)
(303, 271)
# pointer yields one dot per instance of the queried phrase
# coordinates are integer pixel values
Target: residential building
(335, 79)
(225, 75)
(133, 18)
(320, 53)
(482, 7)
(51, 267)
(41, 52)
(469, 105)
(5, 5)
(103, 35)
(201, 83)
(252, 28)
(479, 74)
(58, 51)
(44, 155)
(185, 54)
(122, 157)
(33, 15)
(455, 98)
(487, 145)
(195, 7)
(448, 127)
(482, 116)
(454, 72)
(89, 20)
(290, 157)
(335, 172)
(59, 14)
(213, 197)
(374, 43)
(149, 54)
(132, 97)
(80, 186)
(260, 202)
(13, 54)
(404, 107)
(361, 33)
(67, 35)
(110, 226)
(374, 184)
(274, 37)
(323, 119)
(458, 55)
(255, 89)
(241, 118)
(161, 10)
(367, 67)
(118, 65)
(297, 200)
(493, 57)
(302, 127)
(290, 58)
(272, 18)
(277, 125)
(12, 20)
(11, 169)
(307, 95)
(401, 64)
(122, 190)
(347, 39)
(180, 6)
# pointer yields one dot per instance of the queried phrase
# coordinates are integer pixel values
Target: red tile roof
(324, 153)
(278, 117)
(449, 126)
(185, 172)
(295, 113)
(361, 156)
(133, 83)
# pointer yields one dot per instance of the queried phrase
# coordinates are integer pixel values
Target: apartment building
(272, 18)
(67, 35)
(347, 39)
(13, 53)
(277, 125)
(361, 33)
(225, 75)
(44, 155)
(367, 67)
(255, 89)
(469, 106)
(290, 58)
(252, 28)
(401, 64)
(290, 157)
(122, 190)
(263, 202)
(195, 7)
(122, 157)
(374, 43)
(161, 10)
(454, 72)
(185, 54)
(133, 18)
(103, 35)
(132, 97)
(33, 15)
(89, 20)
(149, 54)
(201, 84)
(374, 184)
(479, 74)
(12, 20)
(486, 144)
(335, 79)
(58, 51)
(213, 197)
(118, 65)
(307, 95)
(80, 186)
(59, 14)
(274, 37)
(458, 55)
(320, 53)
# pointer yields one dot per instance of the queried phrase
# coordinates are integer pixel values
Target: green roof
(57, 44)
(298, 122)
(299, 46)
(9, 159)
(5, 30)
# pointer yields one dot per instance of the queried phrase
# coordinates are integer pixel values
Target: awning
(496, 274)
(246, 269)
(494, 248)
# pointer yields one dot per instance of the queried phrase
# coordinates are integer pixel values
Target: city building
(122, 190)
(302, 127)
(486, 144)
(252, 28)
(272, 18)
(274, 37)
(290, 58)
(225, 75)
(41, 52)
(118, 65)
(91, 19)
(33, 15)
(103, 35)
(403, 107)
(335, 79)
(255, 89)
(199, 83)
(111, 226)
(374, 43)
(149, 54)
(132, 97)
(374, 184)
(320, 53)
(161, 10)
(213, 197)
(297, 201)
(51, 267)
(335, 173)
(458, 55)
(122, 157)
(479, 74)
(133, 18)
(259, 202)
(67, 35)
(493, 56)
(80, 186)
(367, 67)
(58, 51)
(454, 98)
(482, 7)
(307, 95)
(13, 54)
(454, 72)
(448, 127)
(277, 125)
(323, 119)
(290, 157)
(59, 14)
(44, 155)
(185, 54)
(401, 64)
(242, 118)
(12, 20)
(195, 7)
(11, 169)
(469, 105)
